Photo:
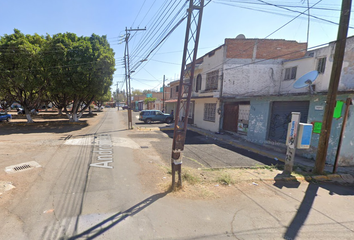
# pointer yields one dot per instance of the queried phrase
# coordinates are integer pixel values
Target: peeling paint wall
(310, 63)
(347, 77)
(258, 120)
(259, 126)
(241, 78)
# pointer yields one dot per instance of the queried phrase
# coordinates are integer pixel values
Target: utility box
(303, 138)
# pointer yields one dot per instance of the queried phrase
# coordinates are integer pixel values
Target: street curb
(317, 178)
(52, 123)
(153, 129)
(238, 145)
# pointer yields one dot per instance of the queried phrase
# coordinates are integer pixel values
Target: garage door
(281, 116)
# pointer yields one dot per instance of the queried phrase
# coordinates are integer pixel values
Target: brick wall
(264, 49)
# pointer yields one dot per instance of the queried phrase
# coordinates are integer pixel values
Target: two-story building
(258, 94)
(228, 76)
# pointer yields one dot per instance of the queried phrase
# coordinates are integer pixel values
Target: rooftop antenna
(306, 81)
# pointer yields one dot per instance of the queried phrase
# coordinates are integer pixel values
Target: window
(198, 84)
(290, 73)
(177, 88)
(212, 80)
(209, 112)
(321, 65)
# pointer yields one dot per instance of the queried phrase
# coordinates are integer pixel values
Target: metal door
(281, 116)
(230, 117)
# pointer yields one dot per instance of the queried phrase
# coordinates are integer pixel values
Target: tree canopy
(68, 70)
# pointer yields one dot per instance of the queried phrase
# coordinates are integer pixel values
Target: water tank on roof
(240, 36)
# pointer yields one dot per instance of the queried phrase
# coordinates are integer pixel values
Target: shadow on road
(110, 222)
(194, 138)
(307, 203)
(42, 127)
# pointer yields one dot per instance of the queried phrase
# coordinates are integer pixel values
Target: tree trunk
(29, 118)
(74, 118)
(60, 111)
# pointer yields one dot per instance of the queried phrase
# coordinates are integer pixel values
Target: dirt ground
(154, 175)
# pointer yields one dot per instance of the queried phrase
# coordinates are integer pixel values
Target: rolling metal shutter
(281, 116)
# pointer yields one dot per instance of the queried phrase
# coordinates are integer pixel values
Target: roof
(171, 100)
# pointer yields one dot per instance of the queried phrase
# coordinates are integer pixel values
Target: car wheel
(168, 120)
(7, 119)
(148, 120)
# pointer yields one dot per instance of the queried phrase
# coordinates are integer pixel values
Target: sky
(221, 19)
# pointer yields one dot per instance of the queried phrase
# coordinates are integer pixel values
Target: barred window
(212, 80)
(209, 112)
(321, 65)
(290, 73)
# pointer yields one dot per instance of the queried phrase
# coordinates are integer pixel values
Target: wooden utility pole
(127, 74)
(333, 87)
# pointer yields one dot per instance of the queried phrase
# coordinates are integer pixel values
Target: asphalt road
(102, 181)
(201, 151)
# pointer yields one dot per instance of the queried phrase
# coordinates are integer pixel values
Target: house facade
(258, 96)
(246, 87)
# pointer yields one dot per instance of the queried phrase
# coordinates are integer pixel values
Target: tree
(21, 75)
(149, 99)
(6, 100)
(146, 92)
(137, 92)
(83, 69)
(101, 99)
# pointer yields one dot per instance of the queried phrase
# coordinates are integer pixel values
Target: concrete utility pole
(333, 87)
(127, 74)
(195, 12)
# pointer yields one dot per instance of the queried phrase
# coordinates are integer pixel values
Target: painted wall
(259, 125)
(199, 114)
(243, 78)
(310, 62)
(211, 62)
(346, 157)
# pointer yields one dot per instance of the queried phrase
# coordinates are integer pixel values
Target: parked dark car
(149, 116)
(22, 111)
(125, 107)
(5, 116)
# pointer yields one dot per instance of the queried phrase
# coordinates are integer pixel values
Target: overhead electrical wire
(152, 40)
(157, 33)
(266, 38)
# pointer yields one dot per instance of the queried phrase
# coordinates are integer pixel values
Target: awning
(171, 101)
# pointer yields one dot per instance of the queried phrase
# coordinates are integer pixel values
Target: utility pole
(163, 94)
(127, 74)
(333, 87)
(195, 12)
(117, 96)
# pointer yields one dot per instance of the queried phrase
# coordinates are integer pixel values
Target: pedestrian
(171, 113)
